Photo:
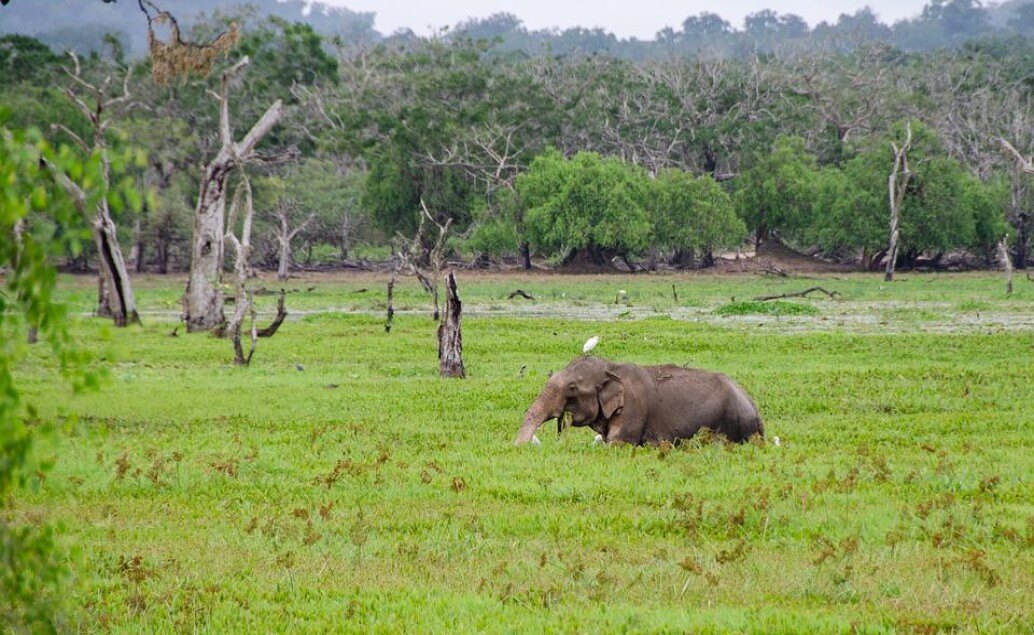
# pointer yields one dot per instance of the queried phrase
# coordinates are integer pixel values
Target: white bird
(598, 440)
(775, 441)
(590, 344)
(535, 440)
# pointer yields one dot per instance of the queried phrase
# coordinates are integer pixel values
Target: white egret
(590, 344)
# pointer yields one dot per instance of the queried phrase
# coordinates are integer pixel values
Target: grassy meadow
(338, 484)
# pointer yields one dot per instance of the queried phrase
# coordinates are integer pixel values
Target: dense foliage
(29, 563)
(796, 142)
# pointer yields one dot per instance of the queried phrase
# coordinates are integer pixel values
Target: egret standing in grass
(590, 344)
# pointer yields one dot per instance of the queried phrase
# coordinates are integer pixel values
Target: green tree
(944, 208)
(585, 204)
(850, 208)
(693, 214)
(23, 58)
(987, 202)
(774, 195)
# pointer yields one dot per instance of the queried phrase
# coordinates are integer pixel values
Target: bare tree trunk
(244, 300)
(346, 236)
(162, 247)
(1022, 240)
(450, 337)
(390, 320)
(103, 300)
(892, 250)
(283, 270)
(526, 254)
(136, 254)
(121, 301)
(1003, 255)
(284, 237)
(651, 260)
(897, 186)
(203, 298)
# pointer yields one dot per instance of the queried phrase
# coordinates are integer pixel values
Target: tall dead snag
(203, 299)
(450, 336)
(115, 297)
(1020, 217)
(897, 187)
(404, 262)
(244, 299)
(436, 257)
(284, 236)
(1003, 255)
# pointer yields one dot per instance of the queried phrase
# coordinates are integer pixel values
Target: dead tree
(244, 303)
(450, 336)
(284, 236)
(1003, 255)
(437, 256)
(244, 298)
(1019, 216)
(404, 262)
(115, 297)
(897, 187)
(203, 299)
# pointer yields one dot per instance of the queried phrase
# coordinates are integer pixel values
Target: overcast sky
(625, 18)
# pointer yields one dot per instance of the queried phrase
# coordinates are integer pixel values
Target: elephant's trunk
(548, 405)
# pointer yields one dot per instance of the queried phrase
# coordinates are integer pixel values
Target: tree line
(82, 26)
(562, 156)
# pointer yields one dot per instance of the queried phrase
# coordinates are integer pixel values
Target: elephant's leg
(624, 429)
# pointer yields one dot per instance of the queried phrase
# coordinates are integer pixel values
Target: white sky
(625, 18)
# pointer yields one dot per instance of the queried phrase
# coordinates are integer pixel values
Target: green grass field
(338, 484)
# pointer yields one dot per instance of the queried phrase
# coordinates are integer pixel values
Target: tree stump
(450, 337)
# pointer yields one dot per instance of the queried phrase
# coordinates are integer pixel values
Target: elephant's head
(587, 389)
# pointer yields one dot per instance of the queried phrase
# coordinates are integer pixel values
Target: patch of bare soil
(775, 258)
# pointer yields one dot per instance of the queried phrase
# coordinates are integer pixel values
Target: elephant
(626, 403)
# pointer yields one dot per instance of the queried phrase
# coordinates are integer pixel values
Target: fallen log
(799, 294)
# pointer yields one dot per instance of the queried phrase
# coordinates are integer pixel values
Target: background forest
(566, 145)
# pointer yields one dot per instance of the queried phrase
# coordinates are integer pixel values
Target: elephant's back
(693, 379)
(714, 398)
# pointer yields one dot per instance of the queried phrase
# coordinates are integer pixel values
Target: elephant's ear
(612, 395)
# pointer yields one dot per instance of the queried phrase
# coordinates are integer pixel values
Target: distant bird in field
(299, 367)
(520, 373)
(590, 344)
